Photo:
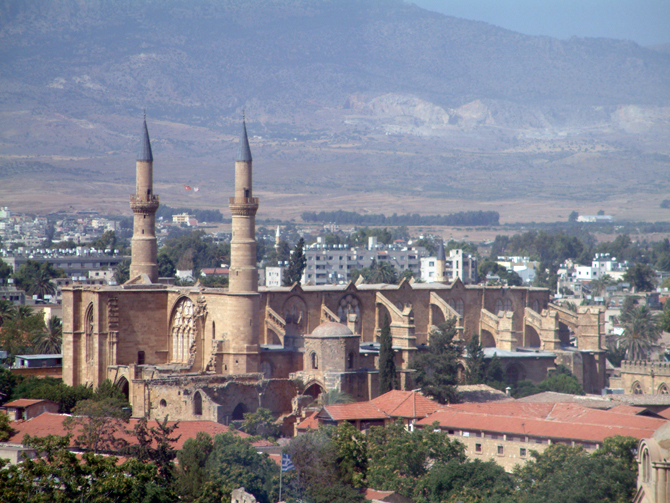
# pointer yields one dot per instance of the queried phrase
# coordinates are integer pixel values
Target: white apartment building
(274, 276)
(333, 264)
(458, 264)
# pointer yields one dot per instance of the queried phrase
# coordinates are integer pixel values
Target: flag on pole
(286, 463)
(186, 187)
(195, 189)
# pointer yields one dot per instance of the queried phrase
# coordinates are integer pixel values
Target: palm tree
(41, 285)
(640, 332)
(49, 340)
(23, 312)
(7, 311)
(333, 397)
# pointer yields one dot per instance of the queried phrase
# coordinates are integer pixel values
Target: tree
(58, 475)
(122, 272)
(155, 445)
(599, 285)
(234, 462)
(5, 271)
(192, 477)
(641, 277)
(561, 380)
(475, 365)
(323, 460)
(260, 423)
(333, 397)
(6, 429)
(437, 367)
(7, 311)
(565, 474)
(387, 373)
(573, 216)
(35, 278)
(352, 454)
(640, 332)
(166, 268)
(296, 265)
(399, 458)
(49, 340)
(96, 425)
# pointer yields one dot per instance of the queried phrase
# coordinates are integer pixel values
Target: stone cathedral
(216, 353)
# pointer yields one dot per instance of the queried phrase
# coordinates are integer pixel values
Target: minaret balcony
(243, 206)
(144, 204)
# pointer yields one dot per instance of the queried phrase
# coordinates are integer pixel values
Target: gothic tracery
(183, 331)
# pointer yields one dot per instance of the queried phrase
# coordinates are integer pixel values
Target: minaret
(440, 263)
(277, 238)
(243, 304)
(144, 204)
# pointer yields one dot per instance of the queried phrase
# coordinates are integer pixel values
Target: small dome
(331, 329)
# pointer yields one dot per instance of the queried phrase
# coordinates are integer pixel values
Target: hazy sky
(647, 22)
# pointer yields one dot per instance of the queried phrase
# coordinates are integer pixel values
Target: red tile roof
(410, 404)
(558, 421)
(24, 402)
(52, 424)
(351, 412)
(311, 422)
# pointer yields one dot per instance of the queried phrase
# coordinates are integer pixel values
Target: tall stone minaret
(144, 204)
(243, 301)
(440, 264)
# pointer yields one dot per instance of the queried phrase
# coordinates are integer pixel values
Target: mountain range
(321, 75)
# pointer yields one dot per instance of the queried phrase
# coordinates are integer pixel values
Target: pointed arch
(663, 389)
(124, 386)
(238, 412)
(197, 404)
(636, 388)
(88, 330)
(532, 338)
(487, 339)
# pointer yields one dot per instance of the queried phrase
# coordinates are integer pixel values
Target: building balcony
(144, 204)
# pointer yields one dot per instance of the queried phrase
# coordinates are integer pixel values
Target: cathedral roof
(145, 145)
(440, 251)
(244, 152)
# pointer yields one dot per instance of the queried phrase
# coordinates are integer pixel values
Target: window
(163, 403)
(478, 448)
(350, 361)
(140, 357)
(315, 361)
(501, 450)
(197, 404)
(522, 452)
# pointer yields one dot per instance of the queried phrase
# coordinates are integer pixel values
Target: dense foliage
(200, 215)
(469, 218)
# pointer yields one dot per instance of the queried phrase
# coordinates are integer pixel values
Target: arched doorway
(238, 412)
(532, 338)
(313, 390)
(124, 386)
(487, 339)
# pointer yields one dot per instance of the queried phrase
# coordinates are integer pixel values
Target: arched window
(536, 306)
(315, 360)
(140, 357)
(460, 307)
(663, 389)
(499, 306)
(163, 403)
(88, 327)
(508, 305)
(197, 404)
(213, 330)
(350, 360)
(637, 388)
(646, 465)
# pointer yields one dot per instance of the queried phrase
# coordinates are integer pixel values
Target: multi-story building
(334, 264)
(458, 264)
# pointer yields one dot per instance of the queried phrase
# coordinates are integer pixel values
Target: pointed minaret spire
(244, 152)
(440, 251)
(145, 144)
